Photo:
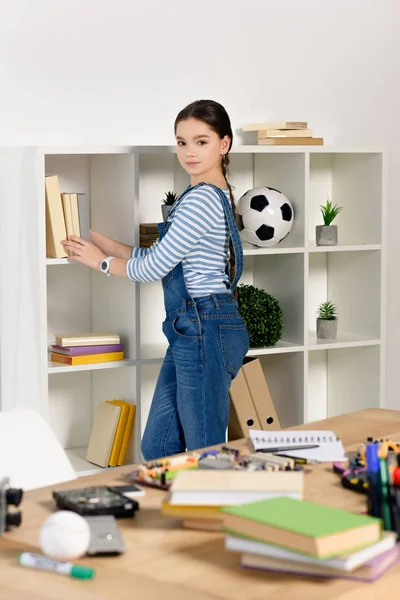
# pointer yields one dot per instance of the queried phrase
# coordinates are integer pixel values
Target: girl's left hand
(85, 252)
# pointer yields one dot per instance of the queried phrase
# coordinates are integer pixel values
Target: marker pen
(37, 561)
(371, 455)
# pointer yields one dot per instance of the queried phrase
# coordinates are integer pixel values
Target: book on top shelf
(279, 125)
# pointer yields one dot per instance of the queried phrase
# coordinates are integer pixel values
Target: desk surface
(164, 561)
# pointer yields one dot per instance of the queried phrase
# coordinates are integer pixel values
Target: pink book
(82, 350)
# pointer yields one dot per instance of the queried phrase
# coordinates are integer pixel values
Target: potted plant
(167, 203)
(262, 314)
(327, 321)
(327, 234)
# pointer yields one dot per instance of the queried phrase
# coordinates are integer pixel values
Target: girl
(199, 258)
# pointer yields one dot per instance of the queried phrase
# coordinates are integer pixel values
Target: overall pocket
(234, 346)
(185, 326)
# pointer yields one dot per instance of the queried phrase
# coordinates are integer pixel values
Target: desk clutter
(254, 498)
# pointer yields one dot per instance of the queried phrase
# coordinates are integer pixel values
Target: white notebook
(330, 448)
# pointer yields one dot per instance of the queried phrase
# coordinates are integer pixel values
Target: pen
(371, 455)
(286, 448)
(37, 561)
(384, 493)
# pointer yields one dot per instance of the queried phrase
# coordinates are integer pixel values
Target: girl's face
(199, 148)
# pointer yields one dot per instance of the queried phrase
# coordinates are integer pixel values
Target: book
(224, 487)
(66, 204)
(102, 435)
(345, 563)
(82, 350)
(73, 198)
(86, 359)
(303, 526)
(127, 433)
(86, 339)
(55, 223)
(119, 434)
(291, 141)
(190, 512)
(267, 133)
(84, 216)
(203, 524)
(330, 448)
(370, 571)
(279, 125)
(147, 228)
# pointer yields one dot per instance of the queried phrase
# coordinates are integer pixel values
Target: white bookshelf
(309, 378)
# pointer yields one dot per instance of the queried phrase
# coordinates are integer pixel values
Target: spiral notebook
(330, 448)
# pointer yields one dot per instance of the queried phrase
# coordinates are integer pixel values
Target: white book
(228, 487)
(328, 447)
(346, 563)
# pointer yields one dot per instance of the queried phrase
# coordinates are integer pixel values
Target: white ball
(267, 216)
(64, 535)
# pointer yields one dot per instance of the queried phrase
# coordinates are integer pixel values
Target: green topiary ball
(262, 314)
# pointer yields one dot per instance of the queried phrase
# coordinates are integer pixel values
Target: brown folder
(260, 395)
(243, 415)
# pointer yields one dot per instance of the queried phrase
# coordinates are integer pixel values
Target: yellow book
(86, 359)
(127, 434)
(119, 434)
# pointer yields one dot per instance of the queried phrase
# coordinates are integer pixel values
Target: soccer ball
(267, 216)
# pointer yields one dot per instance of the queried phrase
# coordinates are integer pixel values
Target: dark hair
(215, 115)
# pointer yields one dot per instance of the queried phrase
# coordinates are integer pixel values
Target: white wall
(98, 72)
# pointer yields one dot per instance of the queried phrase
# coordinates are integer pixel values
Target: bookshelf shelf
(57, 261)
(309, 379)
(343, 340)
(280, 347)
(118, 364)
(81, 466)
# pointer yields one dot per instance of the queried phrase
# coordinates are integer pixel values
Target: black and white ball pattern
(267, 216)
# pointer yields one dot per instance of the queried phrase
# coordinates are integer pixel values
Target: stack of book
(148, 234)
(305, 538)
(197, 496)
(86, 348)
(111, 432)
(285, 133)
(66, 214)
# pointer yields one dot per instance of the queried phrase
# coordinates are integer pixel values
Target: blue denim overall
(208, 341)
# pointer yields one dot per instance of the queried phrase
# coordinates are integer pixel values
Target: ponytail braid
(232, 260)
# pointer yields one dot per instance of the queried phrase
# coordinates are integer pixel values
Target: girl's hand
(85, 252)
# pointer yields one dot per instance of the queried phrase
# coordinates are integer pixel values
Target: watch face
(104, 265)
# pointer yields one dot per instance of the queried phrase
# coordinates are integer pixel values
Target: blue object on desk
(374, 489)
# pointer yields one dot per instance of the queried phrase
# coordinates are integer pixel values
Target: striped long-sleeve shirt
(198, 236)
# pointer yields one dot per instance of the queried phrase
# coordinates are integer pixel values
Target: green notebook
(303, 526)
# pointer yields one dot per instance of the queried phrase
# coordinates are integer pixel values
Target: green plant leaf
(329, 211)
(262, 314)
(327, 311)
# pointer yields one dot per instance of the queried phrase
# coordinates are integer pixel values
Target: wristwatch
(105, 265)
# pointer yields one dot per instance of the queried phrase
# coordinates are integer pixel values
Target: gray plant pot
(326, 235)
(327, 330)
(165, 211)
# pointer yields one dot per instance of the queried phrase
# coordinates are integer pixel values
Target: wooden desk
(164, 561)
